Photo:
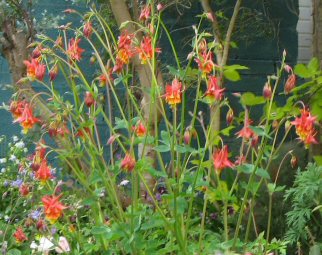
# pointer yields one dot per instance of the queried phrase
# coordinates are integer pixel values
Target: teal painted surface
(261, 54)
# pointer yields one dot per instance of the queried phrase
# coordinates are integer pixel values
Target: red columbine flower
(214, 92)
(27, 119)
(145, 13)
(125, 51)
(221, 161)
(43, 173)
(16, 108)
(305, 127)
(128, 163)
(229, 116)
(74, 51)
(53, 207)
(88, 29)
(146, 50)
(35, 70)
(205, 63)
(24, 190)
(38, 157)
(20, 235)
(246, 132)
(290, 83)
(173, 92)
(140, 129)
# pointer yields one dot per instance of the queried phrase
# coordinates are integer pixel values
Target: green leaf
(226, 131)
(315, 250)
(313, 65)
(165, 137)
(181, 204)
(120, 124)
(318, 160)
(246, 168)
(260, 131)
(101, 230)
(14, 252)
(237, 67)
(162, 148)
(156, 173)
(262, 173)
(249, 99)
(232, 75)
(302, 71)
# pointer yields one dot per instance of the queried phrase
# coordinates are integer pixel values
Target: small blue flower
(35, 214)
(17, 183)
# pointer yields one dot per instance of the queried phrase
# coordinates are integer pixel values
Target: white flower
(33, 245)
(124, 183)
(25, 150)
(63, 245)
(3, 160)
(45, 245)
(3, 170)
(15, 138)
(20, 144)
(13, 157)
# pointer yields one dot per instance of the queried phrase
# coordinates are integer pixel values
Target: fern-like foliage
(305, 195)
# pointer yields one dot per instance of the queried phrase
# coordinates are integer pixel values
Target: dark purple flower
(213, 216)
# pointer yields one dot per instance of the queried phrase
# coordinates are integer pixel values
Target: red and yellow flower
(205, 63)
(88, 29)
(173, 92)
(27, 120)
(53, 208)
(20, 236)
(74, 51)
(125, 51)
(35, 69)
(140, 129)
(16, 108)
(128, 163)
(146, 50)
(221, 160)
(145, 13)
(214, 92)
(43, 173)
(304, 126)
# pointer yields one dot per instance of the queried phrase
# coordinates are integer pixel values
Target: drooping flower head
(74, 51)
(20, 236)
(214, 92)
(35, 69)
(145, 13)
(43, 173)
(24, 190)
(53, 72)
(304, 126)
(125, 51)
(88, 29)
(16, 108)
(27, 120)
(139, 129)
(221, 160)
(267, 91)
(146, 50)
(128, 163)
(246, 132)
(53, 208)
(89, 99)
(173, 92)
(205, 62)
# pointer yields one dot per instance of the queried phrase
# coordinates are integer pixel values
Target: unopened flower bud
(88, 29)
(230, 116)
(275, 124)
(290, 84)
(255, 140)
(89, 99)
(294, 162)
(210, 16)
(92, 60)
(187, 137)
(267, 91)
(53, 73)
(159, 7)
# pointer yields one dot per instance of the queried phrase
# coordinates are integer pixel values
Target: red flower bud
(229, 116)
(290, 84)
(24, 190)
(53, 73)
(89, 99)
(294, 162)
(187, 137)
(267, 91)
(88, 29)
